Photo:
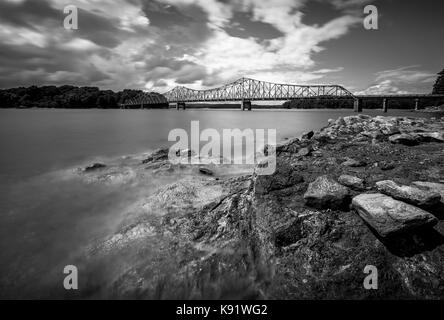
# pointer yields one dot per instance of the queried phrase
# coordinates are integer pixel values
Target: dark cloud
(184, 25)
(28, 13)
(100, 30)
(243, 25)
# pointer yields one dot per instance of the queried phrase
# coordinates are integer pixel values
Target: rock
(389, 216)
(409, 194)
(206, 171)
(352, 182)
(307, 135)
(325, 192)
(303, 152)
(354, 163)
(407, 139)
(431, 186)
(431, 136)
(390, 130)
(94, 167)
(187, 153)
(386, 165)
(284, 177)
(159, 155)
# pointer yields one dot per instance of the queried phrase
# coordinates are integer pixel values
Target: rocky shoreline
(361, 191)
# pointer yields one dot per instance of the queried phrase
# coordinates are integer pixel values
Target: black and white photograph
(247, 151)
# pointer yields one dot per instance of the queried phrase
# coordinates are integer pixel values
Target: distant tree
(438, 88)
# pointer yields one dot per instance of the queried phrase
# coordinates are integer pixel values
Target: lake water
(46, 218)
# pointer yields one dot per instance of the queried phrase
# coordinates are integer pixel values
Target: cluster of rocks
(395, 209)
(360, 180)
(351, 195)
(403, 130)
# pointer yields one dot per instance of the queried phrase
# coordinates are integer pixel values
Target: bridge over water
(246, 90)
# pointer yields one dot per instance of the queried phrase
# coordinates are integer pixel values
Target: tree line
(66, 96)
(92, 97)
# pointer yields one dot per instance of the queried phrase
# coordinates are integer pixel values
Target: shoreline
(295, 234)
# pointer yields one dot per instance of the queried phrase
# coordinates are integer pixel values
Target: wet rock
(94, 167)
(354, 163)
(407, 139)
(351, 182)
(206, 171)
(307, 135)
(388, 216)
(285, 176)
(412, 195)
(325, 192)
(159, 155)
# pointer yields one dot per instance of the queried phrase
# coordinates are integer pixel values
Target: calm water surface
(45, 219)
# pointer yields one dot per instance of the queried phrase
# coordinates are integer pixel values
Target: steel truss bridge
(246, 90)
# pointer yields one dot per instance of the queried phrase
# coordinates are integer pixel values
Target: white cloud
(402, 80)
(283, 59)
(142, 55)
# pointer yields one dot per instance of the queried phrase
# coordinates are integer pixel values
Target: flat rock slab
(389, 216)
(325, 192)
(431, 186)
(412, 195)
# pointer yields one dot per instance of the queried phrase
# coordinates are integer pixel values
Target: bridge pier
(357, 106)
(416, 104)
(384, 105)
(180, 105)
(246, 105)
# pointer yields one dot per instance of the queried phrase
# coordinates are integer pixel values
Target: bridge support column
(357, 106)
(384, 105)
(416, 104)
(180, 105)
(246, 105)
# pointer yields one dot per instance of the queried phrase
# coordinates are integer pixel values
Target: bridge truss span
(246, 89)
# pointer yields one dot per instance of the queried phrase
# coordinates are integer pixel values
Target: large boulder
(325, 192)
(389, 216)
(412, 195)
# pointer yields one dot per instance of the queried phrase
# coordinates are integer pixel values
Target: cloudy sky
(157, 44)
